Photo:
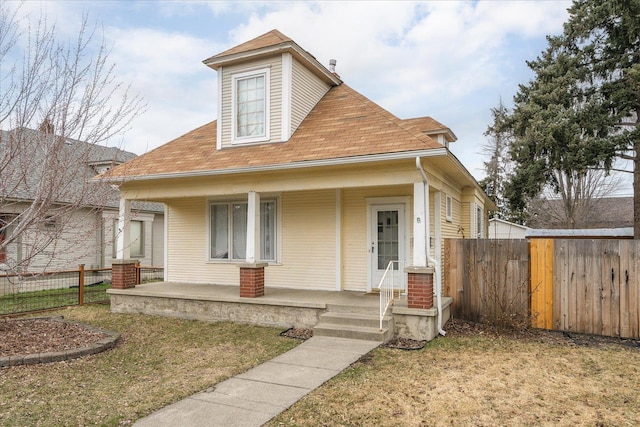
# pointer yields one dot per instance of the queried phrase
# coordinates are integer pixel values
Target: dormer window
(251, 106)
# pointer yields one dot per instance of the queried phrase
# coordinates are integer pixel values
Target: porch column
(419, 287)
(123, 273)
(123, 236)
(420, 275)
(253, 228)
(252, 272)
(252, 280)
(420, 224)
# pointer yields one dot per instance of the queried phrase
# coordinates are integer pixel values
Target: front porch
(278, 307)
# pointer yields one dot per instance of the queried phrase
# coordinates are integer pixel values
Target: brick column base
(252, 280)
(123, 274)
(420, 287)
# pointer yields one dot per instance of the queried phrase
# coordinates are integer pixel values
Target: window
(136, 233)
(251, 106)
(136, 239)
(228, 230)
(449, 208)
(479, 215)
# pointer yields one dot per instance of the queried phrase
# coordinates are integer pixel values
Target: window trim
(479, 221)
(230, 202)
(266, 72)
(448, 208)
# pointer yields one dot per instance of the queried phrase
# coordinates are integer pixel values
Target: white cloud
(448, 59)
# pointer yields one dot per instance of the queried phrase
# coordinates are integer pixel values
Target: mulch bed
(298, 333)
(43, 335)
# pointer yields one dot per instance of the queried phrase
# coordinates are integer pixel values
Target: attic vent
(332, 65)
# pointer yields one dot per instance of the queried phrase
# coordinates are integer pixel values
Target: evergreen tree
(581, 109)
(497, 168)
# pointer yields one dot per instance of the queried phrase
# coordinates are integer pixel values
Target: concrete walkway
(256, 396)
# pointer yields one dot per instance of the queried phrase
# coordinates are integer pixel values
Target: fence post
(81, 284)
(138, 273)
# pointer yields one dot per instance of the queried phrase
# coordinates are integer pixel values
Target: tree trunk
(636, 192)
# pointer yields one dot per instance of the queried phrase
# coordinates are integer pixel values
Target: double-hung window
(228, 230)
(251, 106)
(136, 238)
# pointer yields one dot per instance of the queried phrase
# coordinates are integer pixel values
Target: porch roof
(343, 125)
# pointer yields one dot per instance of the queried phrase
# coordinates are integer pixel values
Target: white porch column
(253, 228)
(123, 243)
(420, 224)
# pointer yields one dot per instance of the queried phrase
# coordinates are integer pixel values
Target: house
(79, 227)
(502, 229)
(604, 212)
(300, 183)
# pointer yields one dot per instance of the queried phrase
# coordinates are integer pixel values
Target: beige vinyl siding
(306, 90)
(275, 96)
(308, 242)
(354, 232)
(187, 246)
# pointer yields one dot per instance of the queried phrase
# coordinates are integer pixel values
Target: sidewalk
(256, 396)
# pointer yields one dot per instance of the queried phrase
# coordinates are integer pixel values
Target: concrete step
(354, 319)
(353, 332)
(339, 308)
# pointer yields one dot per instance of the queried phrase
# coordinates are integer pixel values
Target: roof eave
(433, 152)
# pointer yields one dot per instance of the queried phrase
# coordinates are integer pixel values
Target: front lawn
(157, 362)
(541, 379)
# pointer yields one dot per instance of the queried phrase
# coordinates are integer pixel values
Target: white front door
(387, 242)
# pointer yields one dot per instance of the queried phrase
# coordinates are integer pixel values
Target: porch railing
(387, 289)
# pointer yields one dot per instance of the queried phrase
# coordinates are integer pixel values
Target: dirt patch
(44, 335)
(463, 328)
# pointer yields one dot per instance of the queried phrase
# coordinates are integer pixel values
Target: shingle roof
(425, 124)
(24, 153)
(272, 38)
(343, 124)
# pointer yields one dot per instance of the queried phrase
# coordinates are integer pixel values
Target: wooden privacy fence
(577, 285)
(488, 279)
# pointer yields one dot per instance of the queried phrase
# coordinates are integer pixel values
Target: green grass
(158, 361)
(51, 298)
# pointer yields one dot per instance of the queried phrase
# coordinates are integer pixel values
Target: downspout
(432, 260)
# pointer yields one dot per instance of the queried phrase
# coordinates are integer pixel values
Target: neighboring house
(87, 236)
(501, 229)
(304, 177)
(606, 212)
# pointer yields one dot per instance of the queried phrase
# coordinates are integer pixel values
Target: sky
(451, 60)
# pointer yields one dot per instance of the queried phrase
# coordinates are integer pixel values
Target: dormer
(434, 129)
(266, 87)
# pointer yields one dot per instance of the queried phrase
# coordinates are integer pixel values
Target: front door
(387, 235)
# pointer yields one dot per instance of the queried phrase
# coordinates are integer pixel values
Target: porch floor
(278, 307)
(272, 296)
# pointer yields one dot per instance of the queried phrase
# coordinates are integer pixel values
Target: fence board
(541, 251)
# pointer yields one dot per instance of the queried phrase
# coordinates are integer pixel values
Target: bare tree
(59, 100)
(574, 203)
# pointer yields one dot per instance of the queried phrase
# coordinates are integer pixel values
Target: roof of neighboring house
(23, 172)
(509, 223)
(623, 232)
(344, 124)
(605, 212)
